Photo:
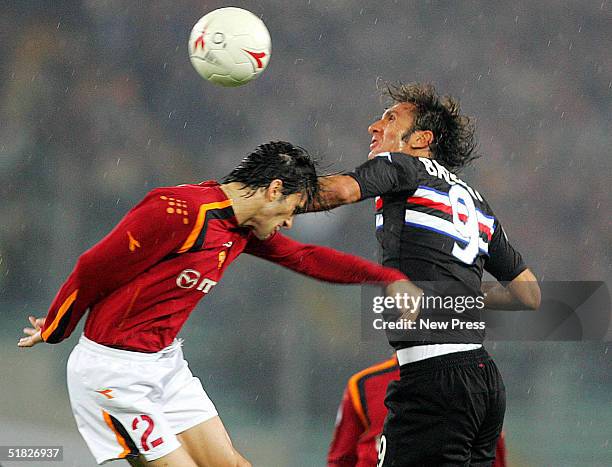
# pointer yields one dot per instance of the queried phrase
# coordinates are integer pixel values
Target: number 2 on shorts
(147, 432)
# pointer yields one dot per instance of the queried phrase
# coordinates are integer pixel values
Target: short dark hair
(454, 140)
(278, 160)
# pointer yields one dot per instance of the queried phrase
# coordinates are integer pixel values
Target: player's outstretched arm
(522, 293)
(336, 190)
(384, 174)
(322, 263)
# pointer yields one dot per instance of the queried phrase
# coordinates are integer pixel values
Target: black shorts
(444, 411)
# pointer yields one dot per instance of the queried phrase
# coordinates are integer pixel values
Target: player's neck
(245, 203)
(420, 153)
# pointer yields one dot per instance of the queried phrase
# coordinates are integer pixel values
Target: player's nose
(288, 223)
(374, 128)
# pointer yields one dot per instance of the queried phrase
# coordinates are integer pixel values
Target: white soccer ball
(229, 46)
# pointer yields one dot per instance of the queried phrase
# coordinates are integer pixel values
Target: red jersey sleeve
(500, 451)
(343, 448)
(320, 262)
(158, 226)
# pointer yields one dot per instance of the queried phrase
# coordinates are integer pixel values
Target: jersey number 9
(466, 223)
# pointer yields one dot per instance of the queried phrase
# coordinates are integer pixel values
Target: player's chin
(263, 235)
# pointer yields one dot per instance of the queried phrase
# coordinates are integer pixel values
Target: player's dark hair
(454, 141)
(278, 160)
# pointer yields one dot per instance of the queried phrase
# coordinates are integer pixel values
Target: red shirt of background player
(362, 414)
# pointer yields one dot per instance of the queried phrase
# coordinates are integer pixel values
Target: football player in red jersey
(361, 416)
(131, 392)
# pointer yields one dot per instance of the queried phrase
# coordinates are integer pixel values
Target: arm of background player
(148, 233)
(343, 448)
(320, 262)
(523, 292)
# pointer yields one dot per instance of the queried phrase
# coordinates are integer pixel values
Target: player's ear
(275, 190)
(421, 139)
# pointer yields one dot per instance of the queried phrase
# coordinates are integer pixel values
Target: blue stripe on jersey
(427, 188)
(441, 232)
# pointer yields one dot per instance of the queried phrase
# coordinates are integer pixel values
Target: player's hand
(33, 333)
(408, 298)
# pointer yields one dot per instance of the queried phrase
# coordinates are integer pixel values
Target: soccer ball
(229, 46)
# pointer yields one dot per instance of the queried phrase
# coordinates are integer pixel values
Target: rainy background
(99, 104)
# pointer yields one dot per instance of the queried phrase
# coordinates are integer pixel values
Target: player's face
(388, 132)
(276, 214)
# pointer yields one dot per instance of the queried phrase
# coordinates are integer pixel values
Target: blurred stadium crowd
(99, 104)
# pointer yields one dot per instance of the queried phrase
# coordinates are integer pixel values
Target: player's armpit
(336, 190)
(523, 292)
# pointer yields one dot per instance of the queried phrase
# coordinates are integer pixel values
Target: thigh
(416, 427)
(485, 444)
(184, 401)
(433, 419)
(114, 411)
(177, 458)
(209, 445)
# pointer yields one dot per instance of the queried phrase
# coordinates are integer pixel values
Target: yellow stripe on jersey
(204, 208)
(62, 311)
(353, 386)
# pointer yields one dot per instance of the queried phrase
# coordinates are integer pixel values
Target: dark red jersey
(361, 417)
(143, 279)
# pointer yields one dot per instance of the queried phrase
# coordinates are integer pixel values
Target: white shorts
(126, 403)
